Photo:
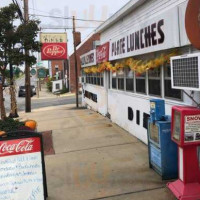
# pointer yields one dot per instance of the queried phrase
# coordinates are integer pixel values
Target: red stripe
(19, 146)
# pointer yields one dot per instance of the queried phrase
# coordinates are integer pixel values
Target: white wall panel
(101, 105)
(148, 10)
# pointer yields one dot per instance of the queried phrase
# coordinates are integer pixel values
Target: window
(101, 79)
(141, 83)
(83, 75)
(57, 86)
(96, 79)
(169, 92)
(114, 80)
(129, 80)
(154, 81)
(120, 78)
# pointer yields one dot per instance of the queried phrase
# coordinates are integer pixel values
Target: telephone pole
(27, 67)
(75, 61)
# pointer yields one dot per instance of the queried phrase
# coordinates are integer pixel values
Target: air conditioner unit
(185, 72)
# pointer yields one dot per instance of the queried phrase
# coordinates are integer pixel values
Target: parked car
(22, 91)
(33, 88)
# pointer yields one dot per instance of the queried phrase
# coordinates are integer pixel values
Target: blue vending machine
(163, 156)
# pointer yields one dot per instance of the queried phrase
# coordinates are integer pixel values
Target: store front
(141, 43)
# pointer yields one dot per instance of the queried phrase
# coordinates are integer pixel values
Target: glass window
(141, 83)
(120, 77)
(114, 80)
(129, 80)
(57, 86)
(98, 78)
(95, 79)
(154, 81)
(83, 75)
(101, 79)
(169, 92)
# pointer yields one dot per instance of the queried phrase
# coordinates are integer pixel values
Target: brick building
(83, 48)
(58, 66)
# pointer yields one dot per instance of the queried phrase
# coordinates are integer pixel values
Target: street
(46, 99)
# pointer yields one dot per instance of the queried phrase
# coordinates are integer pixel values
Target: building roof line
(124, 11)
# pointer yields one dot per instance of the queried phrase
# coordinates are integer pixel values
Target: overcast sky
(84, 9)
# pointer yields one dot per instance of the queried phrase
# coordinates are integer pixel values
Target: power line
(78, 19)
(66, 27)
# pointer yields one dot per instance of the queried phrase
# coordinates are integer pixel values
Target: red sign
(54, 51)
(192, 22)
(19, 146)
(102, 53)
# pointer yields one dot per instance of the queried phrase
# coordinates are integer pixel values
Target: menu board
(192, 128)
(21, 174)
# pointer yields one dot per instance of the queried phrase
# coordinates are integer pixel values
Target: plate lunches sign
(54, 46)
(21, 172)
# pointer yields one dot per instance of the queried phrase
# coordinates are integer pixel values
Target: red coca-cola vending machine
(185, 131)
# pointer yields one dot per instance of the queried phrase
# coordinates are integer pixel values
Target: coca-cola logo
(23, 146)
(102, 53)
(54, 51)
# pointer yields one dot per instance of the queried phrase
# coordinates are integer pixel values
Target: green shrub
(64, 90)
(9, 125)
(49, 84)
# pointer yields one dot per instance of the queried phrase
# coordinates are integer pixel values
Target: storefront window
(114, 80)
(120, 77)
(169, 92)
(98, 79)
(154, 82)
(101, 79)
(129, 74)
(95, 79)
(141, 83)
(83, 76)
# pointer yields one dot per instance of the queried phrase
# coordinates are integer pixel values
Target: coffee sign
(102, 53)
(54, 46)
(88, 59)
(192, 22)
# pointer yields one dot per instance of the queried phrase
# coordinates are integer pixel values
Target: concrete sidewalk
(95, 159)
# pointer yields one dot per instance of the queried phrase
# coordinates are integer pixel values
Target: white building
(143, 30)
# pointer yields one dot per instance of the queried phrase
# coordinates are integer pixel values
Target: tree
(7, 16)
(13, 40)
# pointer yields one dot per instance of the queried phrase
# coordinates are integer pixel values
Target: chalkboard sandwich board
(22, 167)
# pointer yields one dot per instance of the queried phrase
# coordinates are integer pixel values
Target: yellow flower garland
(138, 66)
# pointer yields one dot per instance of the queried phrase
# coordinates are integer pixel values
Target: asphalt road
(41, 103)
(36, 103)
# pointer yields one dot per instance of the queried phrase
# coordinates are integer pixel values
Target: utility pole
(75, 61)
(27, 67)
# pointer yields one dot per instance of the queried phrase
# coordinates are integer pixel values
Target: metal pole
(75, 61)
(27, 67)
(38, 95)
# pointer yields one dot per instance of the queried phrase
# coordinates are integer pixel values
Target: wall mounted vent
(185, 72)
